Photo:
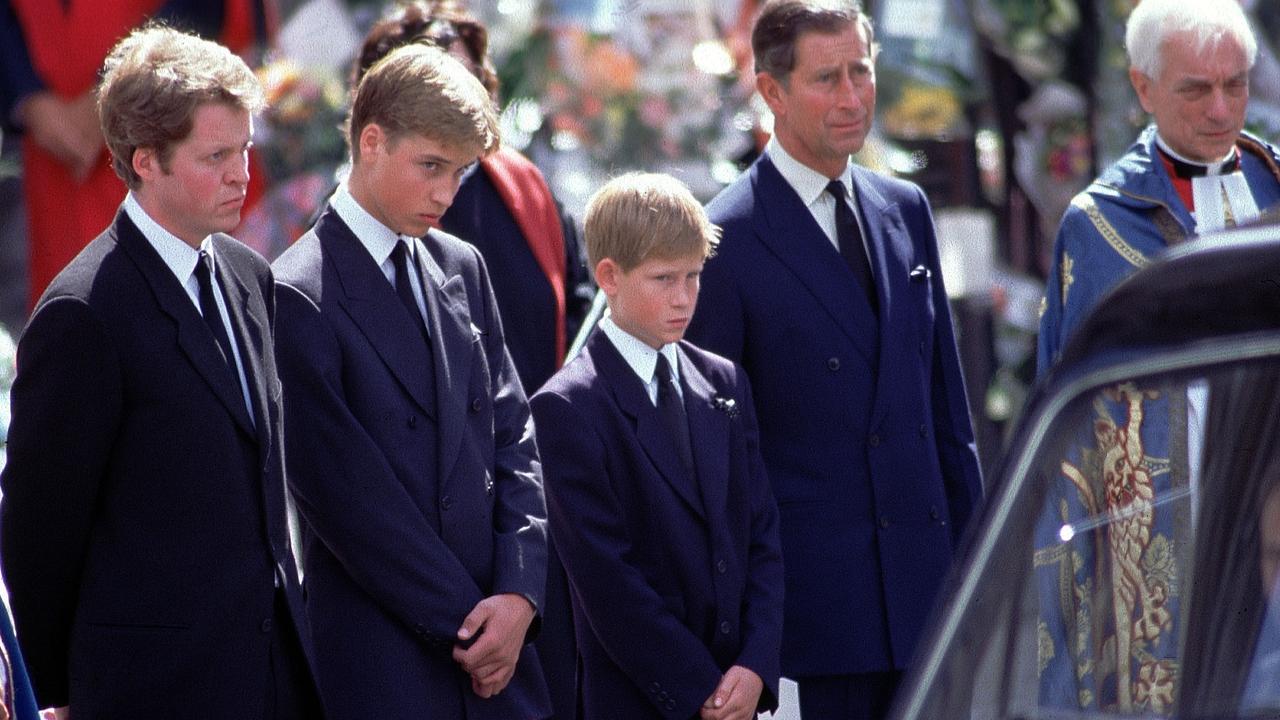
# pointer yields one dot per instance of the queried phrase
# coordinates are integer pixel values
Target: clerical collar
(1184, 168)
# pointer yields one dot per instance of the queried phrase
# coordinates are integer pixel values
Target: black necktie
(209, 309)
(849, 236)
(671, 408)
(400, 258)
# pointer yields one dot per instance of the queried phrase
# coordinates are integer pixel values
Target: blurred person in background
(50, 54)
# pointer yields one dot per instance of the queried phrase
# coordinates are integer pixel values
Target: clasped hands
(498, 625)
(66, 129)
(735, 698)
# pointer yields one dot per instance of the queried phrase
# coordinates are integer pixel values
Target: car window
(1130, 565)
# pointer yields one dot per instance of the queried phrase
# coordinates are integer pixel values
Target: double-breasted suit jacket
(864, 425)
(674, 579)
(144, 516)
(420, 493)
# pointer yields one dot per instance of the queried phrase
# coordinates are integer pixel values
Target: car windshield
(1129, 566)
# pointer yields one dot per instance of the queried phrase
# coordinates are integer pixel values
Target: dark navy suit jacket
(673, 579)
(527, 305)
(525, 300)
(144, 516)
(413, 511)
(864, 427)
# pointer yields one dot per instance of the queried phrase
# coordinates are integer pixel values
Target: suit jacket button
(476, 405)
(833, 364)
(924, 431)
(725, 628)
(722, 567)
(419, 629)
(655, 688)
(669, 705)
(413, 421)
(266, 625)
(874, 440)
(445, 502)
(933, 512)
(884, 522)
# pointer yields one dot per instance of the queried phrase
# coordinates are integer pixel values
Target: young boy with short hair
(657, 497)
(408, 439)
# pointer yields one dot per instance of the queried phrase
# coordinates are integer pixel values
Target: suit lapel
(248, 326)
(452, 336)
(788, 229)
(709, 429)
(194, 338)
(373, 306)
(633, 399)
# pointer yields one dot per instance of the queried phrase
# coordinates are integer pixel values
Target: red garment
(525, 193)
(67, 44)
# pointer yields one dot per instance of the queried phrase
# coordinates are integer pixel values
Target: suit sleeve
(67, 409)
(347, 492)
(649, 644)
(520, 511)
(762, 605)
(952, 425)
(18, 77)
(719, 323)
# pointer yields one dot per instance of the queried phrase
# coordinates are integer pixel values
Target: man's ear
(146, 163)
(1142, 86)
(773, 92)
(607, 274)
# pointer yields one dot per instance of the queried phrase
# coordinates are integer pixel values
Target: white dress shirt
(181, 260)
(380, 241)
(642, 358)
(811, 186)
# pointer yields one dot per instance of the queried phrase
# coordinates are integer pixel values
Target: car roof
(1223, 284)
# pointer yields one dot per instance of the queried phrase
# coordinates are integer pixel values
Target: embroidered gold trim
(1108, 232)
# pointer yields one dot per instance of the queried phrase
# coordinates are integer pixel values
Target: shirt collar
(180, 257)
(642, 358)
(1193, 168)
(808, 183)
(377, 238)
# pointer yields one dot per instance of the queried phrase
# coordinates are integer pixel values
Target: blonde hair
(639, 216)
(154, 80)
(421, 90)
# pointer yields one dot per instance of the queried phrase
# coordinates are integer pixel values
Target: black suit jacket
(414, 510)
(144, 515)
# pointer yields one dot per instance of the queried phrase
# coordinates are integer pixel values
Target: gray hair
(1209, 22)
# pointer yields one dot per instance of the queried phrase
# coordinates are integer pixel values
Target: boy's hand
(498, 624)
(736, 697)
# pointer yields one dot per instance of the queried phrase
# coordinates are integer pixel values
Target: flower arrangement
(301, 145)
(305, 108)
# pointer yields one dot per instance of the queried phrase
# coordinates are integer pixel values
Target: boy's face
(654, 301)
(410, 179)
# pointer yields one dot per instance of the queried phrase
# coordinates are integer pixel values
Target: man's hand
(736, 697)
(498, 624)
(58, 713)
(68, 130)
